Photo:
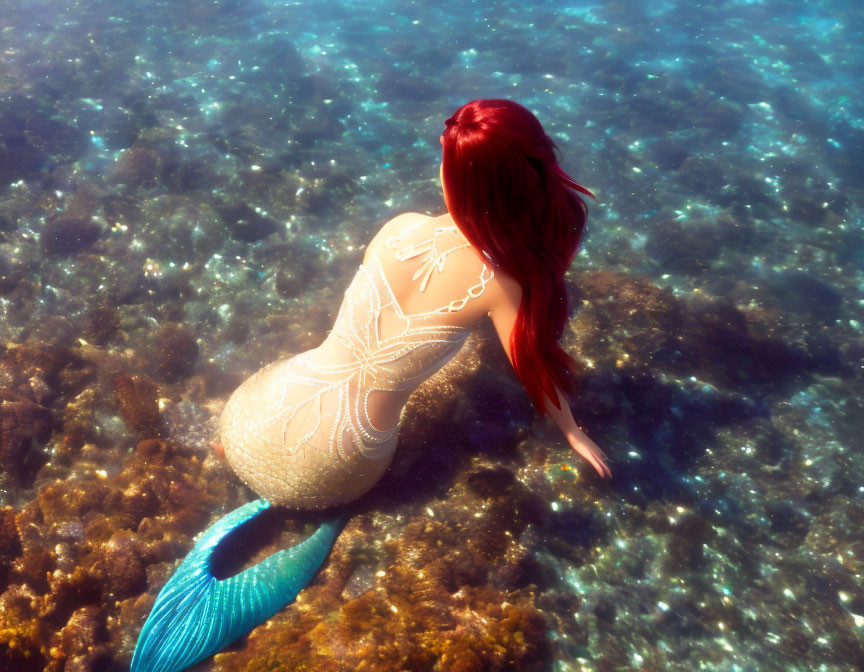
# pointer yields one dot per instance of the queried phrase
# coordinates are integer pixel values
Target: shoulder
(391, 227)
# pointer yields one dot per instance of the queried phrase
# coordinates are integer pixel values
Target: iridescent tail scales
(197, 615)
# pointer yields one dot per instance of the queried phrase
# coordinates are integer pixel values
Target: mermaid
(319, 429)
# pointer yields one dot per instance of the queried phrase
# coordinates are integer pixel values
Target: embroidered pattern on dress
(435, 259)
(336, 405)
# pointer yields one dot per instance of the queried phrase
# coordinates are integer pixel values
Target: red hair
(511, 200)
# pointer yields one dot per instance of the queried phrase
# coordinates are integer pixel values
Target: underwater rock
(291, 282)
(84, 631)
(508, 508)
(173, 353)
(120, 131)
(10, 543)
(427, 610)
(690, 535)
(669, 153)
(684, 248)
(10, 276)
(490, 482)
(745, 195)
(405, 87)
(87, 543)
(21, 632)
(789, 526)
(122, 569)
(808, 209)
(624, 321)
(12, 124)
(102, 325)
(52, 137)
(298, 262)
(58, 368)
(19, 160)
(138, 166)
(24, 428)
(715, 118)
(273, 53)
(701, 175)
(572, 533)
(66, 592)
(735, 233)
(336, 188)
(185, 176)
(715, 338)
(55, 331)
(687, 618)
(245, 224)
(66, 236)
(137, 397)
(605, 612)
(82, 203)
(730, 77)
(323, 126)
(801, 293)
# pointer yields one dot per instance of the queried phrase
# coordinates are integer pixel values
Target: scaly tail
(197, 615)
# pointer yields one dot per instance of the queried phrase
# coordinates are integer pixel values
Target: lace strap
(432, 259)
(473, 292)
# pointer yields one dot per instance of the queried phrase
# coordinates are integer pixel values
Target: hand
(591, 452)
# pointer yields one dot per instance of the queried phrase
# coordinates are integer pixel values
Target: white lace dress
(298, 431)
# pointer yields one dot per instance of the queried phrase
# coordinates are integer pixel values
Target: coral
(173, 353)
(121, 566)
(80, 566)
(428, 608)
(24, 427)
(10, 543)
(21, 632)
(82, 636)
(137, 397)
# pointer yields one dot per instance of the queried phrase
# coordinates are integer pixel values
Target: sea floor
(183, 201)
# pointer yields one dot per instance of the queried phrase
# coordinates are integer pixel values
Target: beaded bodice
(314, 407)
(401, 360)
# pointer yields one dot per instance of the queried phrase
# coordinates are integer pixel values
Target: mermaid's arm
(504, 318)
(576, 437)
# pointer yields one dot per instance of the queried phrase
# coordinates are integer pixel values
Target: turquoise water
(186, 190)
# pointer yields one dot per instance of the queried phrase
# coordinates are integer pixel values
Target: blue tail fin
(197, 615)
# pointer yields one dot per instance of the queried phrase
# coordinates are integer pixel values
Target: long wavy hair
(511, 200)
